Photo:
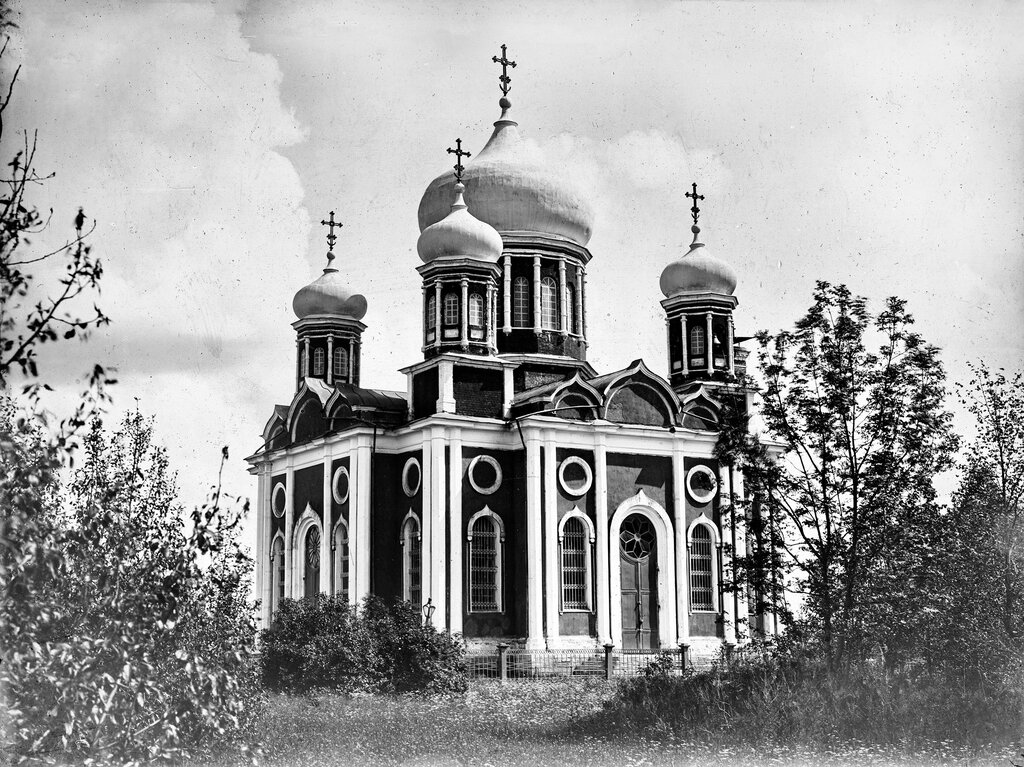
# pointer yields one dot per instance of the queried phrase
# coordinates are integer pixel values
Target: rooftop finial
(459, 154)
(505, 82)
(695, 211)
(331, 239)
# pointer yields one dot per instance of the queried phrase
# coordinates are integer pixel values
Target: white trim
(338, 497)
(612, 393)
(411, 491)
(493, 463)
(308, 519)
(716, 554)
(710, 494)
(278, 512)
(410, 516)
(498, 560)
(588, 525)
(574, 460)
(336, 563)
(666, 570)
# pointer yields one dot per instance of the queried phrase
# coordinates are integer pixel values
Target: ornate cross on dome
(459, 154)
(331, 236)
(695, 211)
(504, 79)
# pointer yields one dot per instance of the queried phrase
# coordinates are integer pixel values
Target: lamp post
(428, 611)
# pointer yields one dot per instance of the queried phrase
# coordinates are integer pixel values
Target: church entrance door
(638, 558)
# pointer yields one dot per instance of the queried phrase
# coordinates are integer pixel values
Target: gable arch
(309, 422)
(638, 402)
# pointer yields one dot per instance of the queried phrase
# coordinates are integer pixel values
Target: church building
(513, 492)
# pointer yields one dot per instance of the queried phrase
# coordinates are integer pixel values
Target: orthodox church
(512, 491)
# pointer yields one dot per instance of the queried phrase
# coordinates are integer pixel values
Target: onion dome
(329, 295)
(697, 272)
(459, 234)
(512, 191)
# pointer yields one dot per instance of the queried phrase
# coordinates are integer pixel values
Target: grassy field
(516, 724)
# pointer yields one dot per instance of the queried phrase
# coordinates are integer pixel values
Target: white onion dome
(513, 191)
(460, 234)
(698, 272)
(329, 294)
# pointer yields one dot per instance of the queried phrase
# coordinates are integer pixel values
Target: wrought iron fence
(609, 662)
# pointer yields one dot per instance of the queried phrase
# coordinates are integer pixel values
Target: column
(742, 606)
(732, 369)
(464, 314)
(507, 298)
(326, 561)
(685, 337)
(437, 313)
(305, 360)
(725, 538)
(264, 565)
(426, 517)
(298, 363)
(351, 361)
(508, 393)
(438, 586)
(668, 344)
(563, 304)
(579, 300)
(534, 563)
(446, 387)
(536, 294)
(330, 360)
(426, 319)
(492, 334)
(602, 544)
(708, 345)
(583, 307)
(682, 551)
(290, 576)
(455, 534)
(551, 569)
(363, 464)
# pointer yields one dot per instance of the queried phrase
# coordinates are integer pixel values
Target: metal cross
(695, 211)
(459, 154)
(331, 236)
(505, 80)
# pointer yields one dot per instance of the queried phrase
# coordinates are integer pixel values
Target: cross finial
(505, 82)
(695, 211)
(331, 237)
(459, 154)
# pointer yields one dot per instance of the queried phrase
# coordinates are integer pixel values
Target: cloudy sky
(877, 144)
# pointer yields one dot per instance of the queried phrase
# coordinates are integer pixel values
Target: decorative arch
(666, 575)
(340, 559)
(308, 520)
(701, 411)
(579, 394)
(656, 392)
(637, 402)
(485, 535)
(277, 573)
(704, 564)
(410, 538)
(576, 561)
(309, 422)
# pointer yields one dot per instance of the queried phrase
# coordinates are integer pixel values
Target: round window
(278, 500)
(411, 477)
(484, 474)
(340, 485)
(575, 475)
(702, 483)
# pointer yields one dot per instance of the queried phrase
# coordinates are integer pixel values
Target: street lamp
(428, 611)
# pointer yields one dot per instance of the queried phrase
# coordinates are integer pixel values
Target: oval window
(575, 475)
(340, 485)
(278, 500)
(411, 477)
(484, 474)
(702, 483)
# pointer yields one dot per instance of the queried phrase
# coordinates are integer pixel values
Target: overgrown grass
(528, 723)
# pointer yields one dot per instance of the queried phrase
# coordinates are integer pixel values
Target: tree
(866, 431)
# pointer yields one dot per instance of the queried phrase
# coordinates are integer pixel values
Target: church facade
(514, 492)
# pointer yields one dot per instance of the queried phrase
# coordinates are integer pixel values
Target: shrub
(384, 647)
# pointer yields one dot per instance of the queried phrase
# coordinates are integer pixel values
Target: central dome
(510, 189)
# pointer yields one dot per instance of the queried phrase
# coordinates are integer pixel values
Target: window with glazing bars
(451, 309)
(411, 539)
(702, 594)
(318, 362)
(575, 578)
(431, 311)
(341, 363)
(476, 310)
(549, 304)
(341, 562)
(521, 303)
(696, 341)
(279, 573)
(484, 576)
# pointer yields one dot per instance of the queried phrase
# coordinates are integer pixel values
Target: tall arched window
(277, 570)
(486, 541)
(318, 362)
(411, 554)
(570, 297)
(576, 563)
(702, 569)
(311, 573)
(341, 363)
(431, 311)
(476, 309)
(521, 303)
(340, 547)
(696, 341)
(549, 304)
(451, 309)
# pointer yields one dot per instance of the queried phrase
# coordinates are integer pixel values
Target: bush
(323, 643)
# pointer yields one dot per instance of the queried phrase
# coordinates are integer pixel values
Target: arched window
(411, 555)
(702, 569)
(311, 574)
(476, 309)
(451, 309)
(277, 573)
(549, 304)
(340, 547)
(521, 303)
(318, 362)
(486, 541)
(570, 297)
(341, 363)
(431, 311)
(696, 341)
(575, 539)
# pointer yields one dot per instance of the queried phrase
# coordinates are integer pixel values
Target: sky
(875, 144)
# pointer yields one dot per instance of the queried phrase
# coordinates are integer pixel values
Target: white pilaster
(305, 360)
(728, 613)
(536, 294)
(507, 298)
(363, 463)
(264, 566)
(455, 533)
(330, 360)
(351, 361)
(709, 346)
(446, 387)
(437, 313)
(426, 516)
(438, 587)
(464, 314)
(601, 545)
(551, 569)
(743, 614)
(579, 300)
(682, 552)
(489, 336)
(325, 528)
(729, 351)
(686, 353)
(534, 562)
(289, 544)
(508, 394)
(562, 303)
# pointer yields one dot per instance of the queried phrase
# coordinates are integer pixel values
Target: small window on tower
(451, 309)
(318, 362)
(341, 363)
(476, 310)
(521, 303)
(696, 341)
(431, 311)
